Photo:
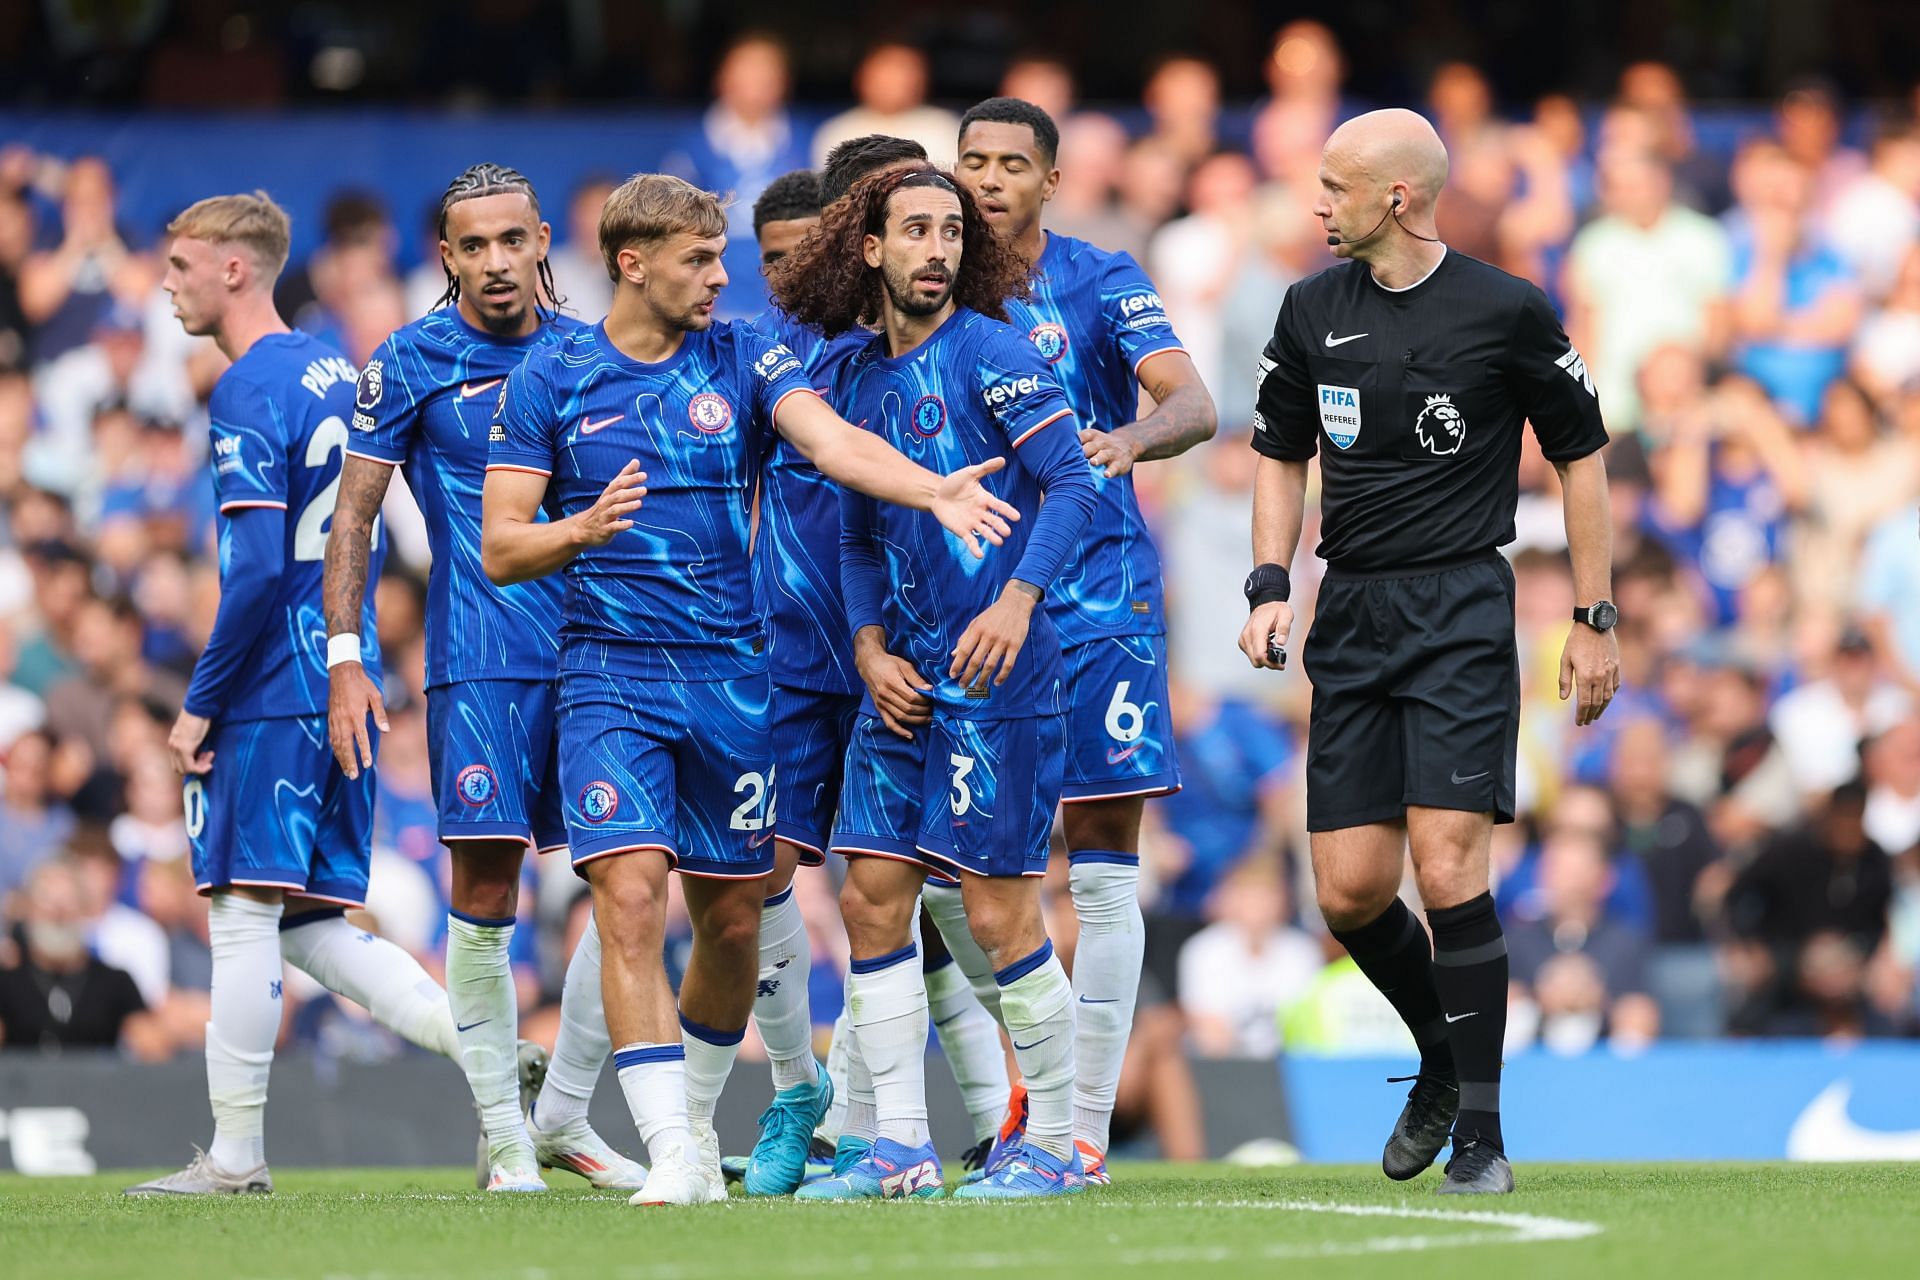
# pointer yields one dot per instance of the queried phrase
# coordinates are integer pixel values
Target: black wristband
(1268, 584)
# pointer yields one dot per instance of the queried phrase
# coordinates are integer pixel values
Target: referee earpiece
(1396, 199)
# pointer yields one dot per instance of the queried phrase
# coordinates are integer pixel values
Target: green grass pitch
(1568, 1222)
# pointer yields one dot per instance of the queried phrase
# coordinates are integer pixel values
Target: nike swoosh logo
(588, 426)
(1035, 1045)
(754, 842)
(950, 1017)
(468, 391)
(1824, 1131)
(471, 1025)
(1115, 755)
(1084, 1000)
(1461, 1017)
(1341, 342)
(1472, 777)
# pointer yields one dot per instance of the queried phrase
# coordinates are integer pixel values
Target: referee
(1410, 369)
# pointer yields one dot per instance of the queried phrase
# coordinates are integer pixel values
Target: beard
(900, 291)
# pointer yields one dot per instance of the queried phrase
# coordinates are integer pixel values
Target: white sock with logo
(887, 1003)
(1037, 1002)
(243, 1024)
(581, 1047)
(780, 1005)
(654, 1079)
(486, 1015)
(375, 974)
(1106, 982)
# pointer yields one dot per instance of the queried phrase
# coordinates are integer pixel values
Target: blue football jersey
(426, 401)
(972, 391)
(797, 553)
(279, 428)
(1095, 317)
(673, 596)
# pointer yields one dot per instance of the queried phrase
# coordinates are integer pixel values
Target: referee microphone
(1393, 211)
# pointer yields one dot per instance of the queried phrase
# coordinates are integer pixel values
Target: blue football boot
(889, 1171)
(1024, 1172)
(779, 1159)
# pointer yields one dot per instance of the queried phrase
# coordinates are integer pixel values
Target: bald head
(1382, 148)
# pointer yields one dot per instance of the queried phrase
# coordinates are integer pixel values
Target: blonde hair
(254, 222)
(649, 207)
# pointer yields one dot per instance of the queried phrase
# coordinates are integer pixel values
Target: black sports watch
(1266, 584)
(1600, 615)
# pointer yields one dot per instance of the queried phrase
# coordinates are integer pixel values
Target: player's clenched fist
(609, 513)
(963, 505)
(900, 695)
(1269, 622)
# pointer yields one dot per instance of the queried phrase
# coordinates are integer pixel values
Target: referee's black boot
(1422, 1128)
(1478, 1168)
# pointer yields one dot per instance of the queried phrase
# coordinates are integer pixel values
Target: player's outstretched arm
(1279, 507)
(516, 546)
(864, 462)
(1183, 417)
(352, 696)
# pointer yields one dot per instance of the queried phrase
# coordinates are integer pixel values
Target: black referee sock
(1470, 970)
(1393, 952)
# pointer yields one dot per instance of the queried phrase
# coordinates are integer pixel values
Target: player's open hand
(353, 697)
(1271, 621)
(969, 512)
(183, 744)
(991, 642)
(609, 513)
(900, 694)
(1589, 666)
(1110, 451)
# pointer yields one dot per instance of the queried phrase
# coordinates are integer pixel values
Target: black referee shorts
(1416, 694)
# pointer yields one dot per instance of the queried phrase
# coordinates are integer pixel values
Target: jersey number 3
(310, 534)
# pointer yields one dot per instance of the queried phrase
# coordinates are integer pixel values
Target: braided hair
(489, 179)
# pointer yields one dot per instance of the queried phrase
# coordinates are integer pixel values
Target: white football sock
(710, 1055)
(835, 1121)
(581, 1047)
(1038, 1004)
(1106, 980)
(375, 974)
(486, 1014)
(887, 1003)
(949, 911)
(970, 1039)
(780, 1009)
(243, 1023)
(654, 1079)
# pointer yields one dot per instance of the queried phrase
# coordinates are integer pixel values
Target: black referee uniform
(1415, 400)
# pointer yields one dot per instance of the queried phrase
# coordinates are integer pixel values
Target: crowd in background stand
(1733, 850)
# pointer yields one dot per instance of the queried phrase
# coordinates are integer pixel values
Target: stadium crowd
(1733, 850)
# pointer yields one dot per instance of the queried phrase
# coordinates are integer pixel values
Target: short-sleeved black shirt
(1414, 399)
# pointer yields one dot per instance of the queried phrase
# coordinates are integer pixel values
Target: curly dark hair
(826, 282)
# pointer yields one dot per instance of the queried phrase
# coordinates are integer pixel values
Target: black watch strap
(1601, 615)
(1267, 584)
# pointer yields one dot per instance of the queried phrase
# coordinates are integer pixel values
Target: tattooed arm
(352, 698)
(1183, 417)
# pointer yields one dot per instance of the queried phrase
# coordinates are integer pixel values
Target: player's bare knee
(1348, 903)
(631, 909)
(1103, 824)
(877, 916)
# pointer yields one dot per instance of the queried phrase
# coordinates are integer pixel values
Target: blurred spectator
(1875, 219)
(1808, 125)
(70, 282)
(20, 711)
(59, 996)
(1889, 605)
(1585, 972)
(1821, 724)
(1655, 94)
(1182, 98)
(1192, 259)
(1282, 244)
(1856, 477)
(1152, 183)
(358, 249)
(1649, 271)
(1827, 875)
(37, 822)
(1093, 150)
(745, 140)
(60, 587)
(1795, 304)
(166, 893)
(579, 272)
(1043, 80)
(106, 644)
(1239, 973)
(1830, 995)
(1462, 105)
(1892, 815)
(891, 84)
(119, 934)
(1886, 351)
(16, 242)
